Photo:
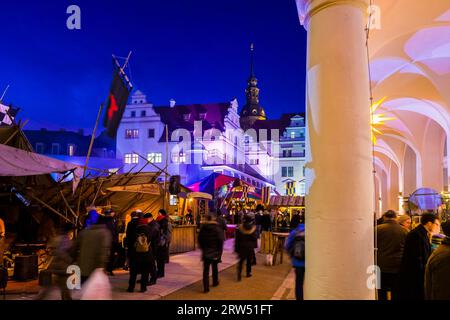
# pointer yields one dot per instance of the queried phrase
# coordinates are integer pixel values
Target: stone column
(339, 204)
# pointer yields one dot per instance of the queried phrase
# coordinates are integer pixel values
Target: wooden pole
(167, 164)
(88, 156)
(50, 208)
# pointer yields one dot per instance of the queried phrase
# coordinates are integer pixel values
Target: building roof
(174, 116)
(280, 124)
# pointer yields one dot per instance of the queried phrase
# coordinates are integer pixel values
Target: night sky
(194, 51)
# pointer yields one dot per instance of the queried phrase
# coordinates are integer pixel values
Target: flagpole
(4, 93)
(167, 163)
(87, 159)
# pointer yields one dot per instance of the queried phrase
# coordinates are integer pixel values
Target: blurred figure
(162, 254)
(189, 218)
(2, 240)
(295, 246)
(295, 219)
(245, 244)
(222, 223)
(266, 228)
(415, 256)
(92, 248)
(391, 239)
(210, 240)
(437, 271)
(111, 224)
(61, 257)
(91, 218)
(142, 260)
(154, 226)
(258, 219)
(405, 222)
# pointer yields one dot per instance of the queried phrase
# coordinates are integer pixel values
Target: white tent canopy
(16, 162)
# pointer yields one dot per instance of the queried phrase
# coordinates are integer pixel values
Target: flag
(117, 100)
(7, 114)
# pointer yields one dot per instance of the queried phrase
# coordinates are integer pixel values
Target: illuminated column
(339, 206)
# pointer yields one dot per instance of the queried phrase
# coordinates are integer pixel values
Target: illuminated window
(290, 188)
(154, 157)
(292, 134)
(71, 150)
(131, 133)
(175, 157)
(173, 200)
(131, 158)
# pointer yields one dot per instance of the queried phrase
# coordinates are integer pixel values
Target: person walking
(437, 270)
(154, 226)
(141, 254)
(210, 240)
(416, 252)
(222, 223)
(245, 244)
(92, 248)
(296, 220)
(61, 248)
(391, 237)
(266, 228)
(111, 225)
(162, 254)
(295, 246)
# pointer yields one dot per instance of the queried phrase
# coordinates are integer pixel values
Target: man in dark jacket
(391, 238)
(111, 224)
(210, 240)
(245, 244)
(156, 232)
(415, 256)
(142, 260)
(437, 272)
(92, 248)
(222, 223)
(162, 254)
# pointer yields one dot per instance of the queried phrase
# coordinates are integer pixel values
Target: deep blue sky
(195, 51)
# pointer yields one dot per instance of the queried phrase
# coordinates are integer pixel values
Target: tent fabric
(213, 182)
(16, 162)
(426, 199)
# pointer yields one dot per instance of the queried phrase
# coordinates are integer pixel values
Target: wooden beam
(50, 208)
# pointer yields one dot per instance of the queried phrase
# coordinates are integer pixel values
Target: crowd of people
(410, 268)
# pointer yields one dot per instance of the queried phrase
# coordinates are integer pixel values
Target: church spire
(252, 110)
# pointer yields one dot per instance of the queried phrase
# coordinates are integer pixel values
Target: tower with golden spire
(252, 110)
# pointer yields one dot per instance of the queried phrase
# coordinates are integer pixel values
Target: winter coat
(111, 224)
(246, 240)
(93, 248)
(141, 261)
(295, 221)
(290, 243)
(61, 254)
(437, 273)
(130, 236)
(391, 238)
(210, 240)
(221, 222)
(416, 252)
(165, 228)
(266, 222)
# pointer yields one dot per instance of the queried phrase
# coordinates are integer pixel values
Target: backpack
(298, 248)
(165, 236)
(141, 243)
